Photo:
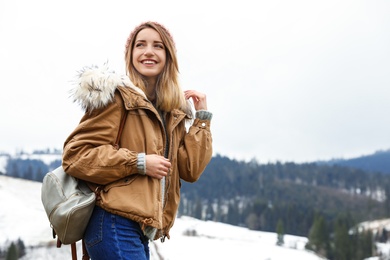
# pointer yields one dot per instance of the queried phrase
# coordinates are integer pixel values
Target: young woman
(139, 182)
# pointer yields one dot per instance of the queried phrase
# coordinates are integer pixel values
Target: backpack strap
(74, 252)
(122, 124)
(85, 252)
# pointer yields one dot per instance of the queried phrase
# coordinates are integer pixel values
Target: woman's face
(149, 55)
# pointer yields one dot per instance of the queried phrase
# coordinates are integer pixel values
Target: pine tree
(280, 233)
(318, 236)
(342, 243)
(12, 253)
(364, 242)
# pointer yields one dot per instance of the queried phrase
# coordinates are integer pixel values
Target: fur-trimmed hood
(95, 86)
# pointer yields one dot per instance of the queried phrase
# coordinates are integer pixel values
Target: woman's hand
(157, 166)
(199, 99)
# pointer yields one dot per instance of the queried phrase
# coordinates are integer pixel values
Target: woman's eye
(140, 44)
(160, 46)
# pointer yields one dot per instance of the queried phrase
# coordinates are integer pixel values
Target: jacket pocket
(136, 196)
(122, 182)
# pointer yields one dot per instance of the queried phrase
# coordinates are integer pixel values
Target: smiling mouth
(149, 62)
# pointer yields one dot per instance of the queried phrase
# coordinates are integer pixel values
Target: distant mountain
(376, 162)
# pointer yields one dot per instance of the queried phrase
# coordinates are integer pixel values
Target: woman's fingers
(198, 98)
(157, 166)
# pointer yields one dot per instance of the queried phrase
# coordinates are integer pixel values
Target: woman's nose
(148, 51)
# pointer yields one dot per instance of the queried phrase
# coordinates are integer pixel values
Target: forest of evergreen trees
(295, 196)
(258, 195)
(321, 201)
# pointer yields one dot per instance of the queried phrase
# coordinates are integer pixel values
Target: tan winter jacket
(89, 153)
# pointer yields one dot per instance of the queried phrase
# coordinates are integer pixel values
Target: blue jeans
(109, 236)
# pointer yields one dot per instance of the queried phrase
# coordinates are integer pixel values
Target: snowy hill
(46, 158)
(22, 216)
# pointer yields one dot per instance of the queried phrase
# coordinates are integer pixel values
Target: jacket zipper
(167, 154)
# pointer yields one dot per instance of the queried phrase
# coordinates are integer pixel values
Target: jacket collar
(95, 87)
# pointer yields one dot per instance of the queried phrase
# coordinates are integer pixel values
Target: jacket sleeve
(195, 152)
(89, 151)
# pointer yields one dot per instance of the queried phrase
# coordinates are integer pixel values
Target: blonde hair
(169, 95)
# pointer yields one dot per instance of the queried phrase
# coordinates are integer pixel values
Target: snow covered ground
(22, 216)
(214, 240)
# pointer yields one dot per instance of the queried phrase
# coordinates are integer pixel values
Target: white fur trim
(95, 86)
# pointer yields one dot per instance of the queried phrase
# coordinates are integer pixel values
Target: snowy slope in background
(22, 216)
(215, 240)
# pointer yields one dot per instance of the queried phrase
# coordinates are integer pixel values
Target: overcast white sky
(286, 80)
